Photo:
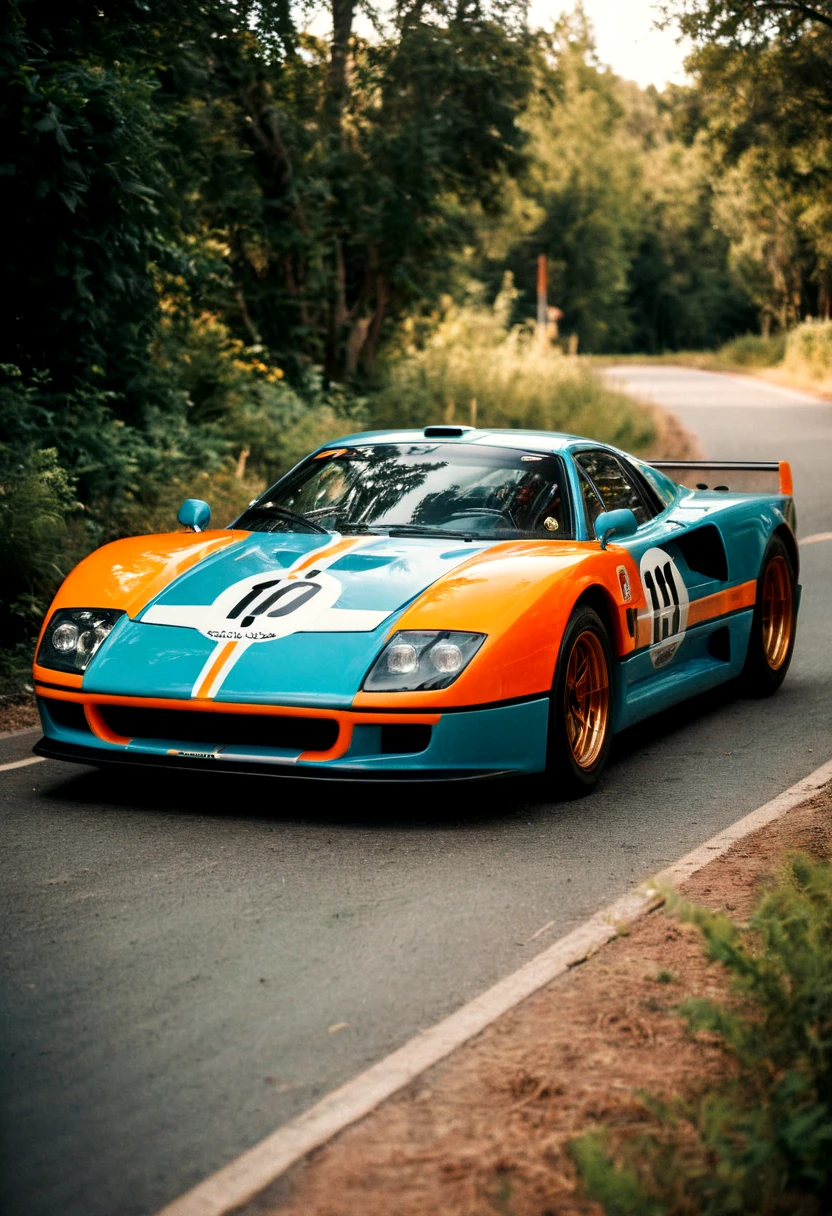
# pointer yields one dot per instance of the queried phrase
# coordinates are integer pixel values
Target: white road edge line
(4, 768)
(815, 537)
(242, 1179)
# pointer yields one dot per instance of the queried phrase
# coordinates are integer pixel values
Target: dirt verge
(17, 713)
(673, 441)
(486, 1130)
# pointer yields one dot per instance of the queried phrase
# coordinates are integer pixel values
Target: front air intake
(219, 729)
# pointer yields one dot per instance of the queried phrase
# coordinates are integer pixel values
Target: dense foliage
(761, 1141)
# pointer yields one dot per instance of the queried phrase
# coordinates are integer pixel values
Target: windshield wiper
(351, 526)
(406, 530)
(293, 517)
(427, 530)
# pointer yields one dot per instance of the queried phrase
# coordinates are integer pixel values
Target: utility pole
(542, 305)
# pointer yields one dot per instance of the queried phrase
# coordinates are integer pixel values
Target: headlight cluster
(73, 636)
(412, 660)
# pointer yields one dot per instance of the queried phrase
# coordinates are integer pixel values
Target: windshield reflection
(466, 489)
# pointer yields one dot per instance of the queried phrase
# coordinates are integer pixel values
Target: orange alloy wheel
(778, 614)
(587, 697)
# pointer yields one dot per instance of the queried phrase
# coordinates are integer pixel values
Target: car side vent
(446, 432)
(719, 644)
(704, 552)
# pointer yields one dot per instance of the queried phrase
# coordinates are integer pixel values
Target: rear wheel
(773, 627)
(580, 714)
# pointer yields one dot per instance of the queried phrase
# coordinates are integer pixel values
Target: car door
(609, 483)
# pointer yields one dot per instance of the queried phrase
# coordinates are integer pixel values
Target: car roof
(536, 441)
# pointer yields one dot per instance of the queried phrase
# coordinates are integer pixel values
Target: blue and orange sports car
(441, 603)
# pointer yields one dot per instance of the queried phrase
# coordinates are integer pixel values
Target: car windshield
(420, 489)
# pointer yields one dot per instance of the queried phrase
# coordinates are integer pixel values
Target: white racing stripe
(4, 768)
(236, 1184)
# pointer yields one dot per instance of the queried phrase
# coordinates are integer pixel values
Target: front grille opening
(193, 726)
(68, 714)
(396, 740)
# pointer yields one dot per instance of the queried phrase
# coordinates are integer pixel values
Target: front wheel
(580, 714)
(773, 627)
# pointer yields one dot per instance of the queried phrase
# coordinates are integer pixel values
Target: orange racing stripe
(723, 602)
(214, 670)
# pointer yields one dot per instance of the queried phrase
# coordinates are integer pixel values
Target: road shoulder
(487, 1128)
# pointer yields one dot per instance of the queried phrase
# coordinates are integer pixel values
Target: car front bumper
(457, 744)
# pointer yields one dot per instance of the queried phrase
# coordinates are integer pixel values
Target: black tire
(770, 646)
(568, 774)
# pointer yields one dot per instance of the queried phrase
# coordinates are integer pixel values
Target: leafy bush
(761, 1142)
(36, 501)
(753, 350)
(242, 404)
(475, 365)
(809, 350)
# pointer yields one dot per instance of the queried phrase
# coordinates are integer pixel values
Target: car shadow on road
(402, 806)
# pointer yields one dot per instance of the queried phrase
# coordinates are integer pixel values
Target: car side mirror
(195, 514)
(615, 523)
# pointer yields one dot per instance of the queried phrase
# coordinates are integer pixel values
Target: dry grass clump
(809, 352)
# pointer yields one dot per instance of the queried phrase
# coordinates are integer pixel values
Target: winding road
(188, 964)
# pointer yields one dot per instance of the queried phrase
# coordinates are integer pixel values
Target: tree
(359, 158)
(620, 195)
(766, 70)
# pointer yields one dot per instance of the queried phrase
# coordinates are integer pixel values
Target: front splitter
(75, 753)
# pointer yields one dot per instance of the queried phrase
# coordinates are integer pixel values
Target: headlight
(412, 661)
(73, 636)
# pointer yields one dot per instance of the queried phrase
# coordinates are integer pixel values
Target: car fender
(521, 595)
(127, 574)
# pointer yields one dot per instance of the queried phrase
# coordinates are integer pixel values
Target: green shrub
(753, 350)
(233, 425)
(476, 366)
(761, 1141)
(37, 501)
(809, 350)
(238, 402)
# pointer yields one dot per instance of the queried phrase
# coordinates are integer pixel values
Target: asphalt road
(186, 965)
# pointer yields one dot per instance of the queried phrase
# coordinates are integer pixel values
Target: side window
(658, 489)
(592, 503)
(616, 488)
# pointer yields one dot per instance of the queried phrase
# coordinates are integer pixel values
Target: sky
(624, 31)
(626, 38)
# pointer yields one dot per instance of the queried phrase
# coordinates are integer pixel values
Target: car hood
(271, 617)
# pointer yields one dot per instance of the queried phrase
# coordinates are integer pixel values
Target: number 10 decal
(667, 604)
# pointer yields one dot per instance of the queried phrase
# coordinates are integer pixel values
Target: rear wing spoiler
(745, 477)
